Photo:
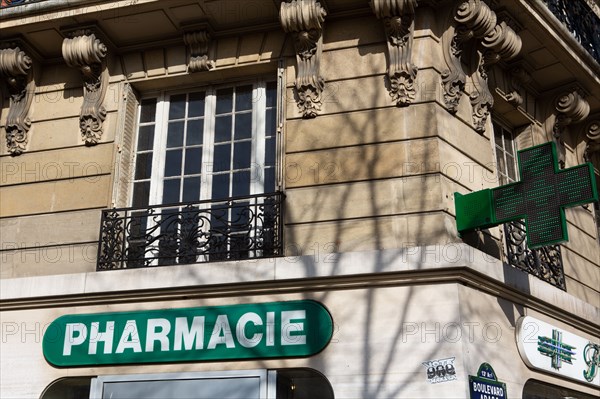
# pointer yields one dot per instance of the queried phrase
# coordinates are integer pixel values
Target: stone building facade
(197, 154)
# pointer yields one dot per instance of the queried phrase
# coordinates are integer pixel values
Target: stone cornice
(351, 270)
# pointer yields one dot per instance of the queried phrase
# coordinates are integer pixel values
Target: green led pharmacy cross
(540, 198)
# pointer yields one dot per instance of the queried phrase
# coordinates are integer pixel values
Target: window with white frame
(211, 143)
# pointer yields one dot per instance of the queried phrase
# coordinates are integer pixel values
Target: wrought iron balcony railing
(544, 263)
(581, 21)
(205, 231)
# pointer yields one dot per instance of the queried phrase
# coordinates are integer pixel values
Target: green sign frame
(540, 198)
(248, 331)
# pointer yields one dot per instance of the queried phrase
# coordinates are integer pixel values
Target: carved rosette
(570, 108)
(16, 68)
(473, 19)
(592, 132)
(304, 20)
(198, 43)
(398, 21)
(81, 49)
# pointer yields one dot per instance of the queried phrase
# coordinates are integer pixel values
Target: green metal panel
(474, 210)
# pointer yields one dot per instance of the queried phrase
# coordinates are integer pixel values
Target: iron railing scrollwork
(204, 231)
(581, 21)
(545, 263)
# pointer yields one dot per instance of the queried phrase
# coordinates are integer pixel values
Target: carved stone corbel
(398, 21)
(304, 20)
(592, 133)
(82, 49)
(571, 108)
(501, 43)
(16, 66)
(198, 44)
(519, 76)
(471, 18)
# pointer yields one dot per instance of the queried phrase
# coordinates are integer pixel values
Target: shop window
(544, 263)
(68, 388)
(236, 384)
(540, 390)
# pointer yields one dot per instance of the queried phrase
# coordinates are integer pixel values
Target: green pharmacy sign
(249, 331)
(540, 198)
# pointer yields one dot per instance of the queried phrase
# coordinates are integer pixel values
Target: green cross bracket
(540, 198)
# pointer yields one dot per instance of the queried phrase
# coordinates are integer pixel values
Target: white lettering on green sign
(280, 329)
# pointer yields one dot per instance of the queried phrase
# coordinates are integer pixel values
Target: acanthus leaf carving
(473, 19)
(398, 21)
(198, 46)
(16, 66)
(304, 20)
(83, 50)
(501, 43)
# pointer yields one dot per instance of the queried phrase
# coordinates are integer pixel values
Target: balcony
(14, 3)
(581, 21)
(205, 231)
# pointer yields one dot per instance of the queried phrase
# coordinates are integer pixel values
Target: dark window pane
(269, 180)
(222, 128)
(243, 126)
(270, 151)
(224, 100)
(510, 165)
(170, 191)
(508, 143)
(195, 132)
(173, 163)
(498, 135)
(241, 183)
(148, 111)
(146, 138)
(191, 189)
(222, 157)
(220, 186)
(270, 122)
(196, 104)
(193, 160)
(243, 98)
(175, 135)
(141, 194)
(242, 153)
(271, 94)
(501, 167)
(143, 166)
(177, 107)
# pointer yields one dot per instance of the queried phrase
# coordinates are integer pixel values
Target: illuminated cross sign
(556, 349)
(540, 198)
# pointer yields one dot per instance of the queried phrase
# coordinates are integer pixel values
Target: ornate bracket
(571, 108)
(592, 133)
(398, 20)
(16, 66)
(82, 49)
(198, 42)
(473, 19)
(304, 19)
(502, 43)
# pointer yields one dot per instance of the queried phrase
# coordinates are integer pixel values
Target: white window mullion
(210, 108)
(159, 149)
(257, 185)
